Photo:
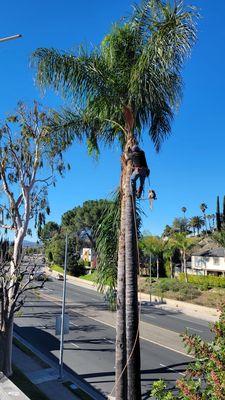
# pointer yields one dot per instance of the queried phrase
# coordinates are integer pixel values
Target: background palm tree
(184, 244)
(196, 223)
(168, 253)
(203, 208)
(184, 209)
(153, 245)
(131, 81)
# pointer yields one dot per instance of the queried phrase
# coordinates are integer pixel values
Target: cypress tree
(223, 209)
(218, 216)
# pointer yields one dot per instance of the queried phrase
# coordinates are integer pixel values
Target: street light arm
(5, 39)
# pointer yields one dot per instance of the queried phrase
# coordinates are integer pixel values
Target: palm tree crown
(132, 78)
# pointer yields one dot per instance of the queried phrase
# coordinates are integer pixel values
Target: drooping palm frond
(81, 75)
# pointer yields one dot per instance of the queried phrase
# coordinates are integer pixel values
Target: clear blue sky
(190, 168)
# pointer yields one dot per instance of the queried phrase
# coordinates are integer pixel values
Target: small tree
(29, 154)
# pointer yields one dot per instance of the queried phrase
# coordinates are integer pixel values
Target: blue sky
(190, 168)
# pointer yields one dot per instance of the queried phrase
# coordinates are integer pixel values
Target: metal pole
(63, 313)
(150, 278)
(5, 39)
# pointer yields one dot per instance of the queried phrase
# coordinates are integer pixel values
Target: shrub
(204, 282)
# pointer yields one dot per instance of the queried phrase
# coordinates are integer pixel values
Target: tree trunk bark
(185, 267)
(6, 348)
(171, 268)
(157, 268)
(120, 362)
(132, 312)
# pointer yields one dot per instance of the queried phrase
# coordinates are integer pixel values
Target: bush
(184, 291)
(204, 282)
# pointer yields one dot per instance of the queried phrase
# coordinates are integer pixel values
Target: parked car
(60, 277)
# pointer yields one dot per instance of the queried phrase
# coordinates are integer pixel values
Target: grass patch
(29, 353)
(77, 391)
(57, 268)
(90, 277)
(23, 383)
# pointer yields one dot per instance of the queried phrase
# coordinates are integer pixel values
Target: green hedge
(205, 282)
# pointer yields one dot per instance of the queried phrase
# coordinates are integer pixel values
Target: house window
(216, 261)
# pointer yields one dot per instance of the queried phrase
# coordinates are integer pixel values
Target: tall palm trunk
(132, 314)
(121, 371)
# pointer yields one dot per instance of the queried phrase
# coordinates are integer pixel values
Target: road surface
(89, 347)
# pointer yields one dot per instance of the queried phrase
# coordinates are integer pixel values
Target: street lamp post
(63, 313)
(150, 278)
(7, 38)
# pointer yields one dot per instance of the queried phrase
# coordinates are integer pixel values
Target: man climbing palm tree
(140, 169)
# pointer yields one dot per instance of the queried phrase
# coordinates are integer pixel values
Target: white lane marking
(75, 345)
(188, 320)
(193, 329)
(147, 340)
(172, 369)
(149, 316)
(109, 341)
(72, 323)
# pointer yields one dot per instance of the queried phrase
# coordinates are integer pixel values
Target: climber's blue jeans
(139, 173)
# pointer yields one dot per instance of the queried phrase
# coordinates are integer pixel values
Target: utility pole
(7, 38)
(63, 313)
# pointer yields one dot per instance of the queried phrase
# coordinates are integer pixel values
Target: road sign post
(63, 313)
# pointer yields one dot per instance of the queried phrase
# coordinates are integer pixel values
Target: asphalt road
(89, 347)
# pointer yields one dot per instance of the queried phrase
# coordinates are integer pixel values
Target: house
(208, 262)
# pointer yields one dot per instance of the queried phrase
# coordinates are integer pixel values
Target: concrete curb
(8, 390)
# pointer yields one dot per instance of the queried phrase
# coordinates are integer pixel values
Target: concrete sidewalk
(193, 310)
(43, 373)
(8, 390)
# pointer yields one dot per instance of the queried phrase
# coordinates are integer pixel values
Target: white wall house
(209, 262)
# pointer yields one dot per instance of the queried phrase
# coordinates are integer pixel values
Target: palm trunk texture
(121, 371)
(132, 314)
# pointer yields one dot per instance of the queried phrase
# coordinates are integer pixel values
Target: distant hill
(28, 243)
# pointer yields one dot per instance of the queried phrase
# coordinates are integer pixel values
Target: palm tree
(153, 245)
(168, 252)
(184, 209)
(131, 81)
(196, 223)
(203, 208)
(184, 244)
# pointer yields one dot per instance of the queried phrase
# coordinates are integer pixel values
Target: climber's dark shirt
(138, 159)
